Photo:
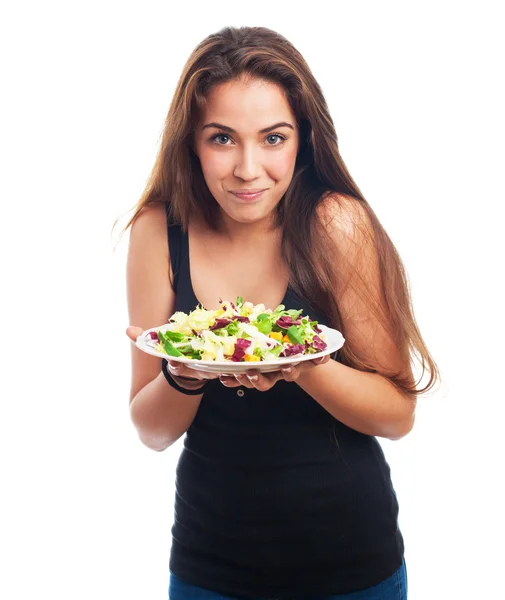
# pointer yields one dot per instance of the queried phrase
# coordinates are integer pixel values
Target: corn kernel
(251, 358)
(286, 339)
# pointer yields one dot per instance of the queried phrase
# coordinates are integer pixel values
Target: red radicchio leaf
(317, 329)
(318, 343)
(240, 347)
(293, 350)
(219, 323)
(241, 319)
(286, 322)
(153, 335)
(243, 343)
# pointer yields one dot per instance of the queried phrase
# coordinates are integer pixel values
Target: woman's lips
(248, 196)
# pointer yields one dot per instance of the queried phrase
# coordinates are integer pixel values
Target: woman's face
(247, 140)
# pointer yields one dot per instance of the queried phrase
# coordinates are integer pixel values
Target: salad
(239, 332)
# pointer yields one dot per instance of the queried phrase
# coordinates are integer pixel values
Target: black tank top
(275, 497)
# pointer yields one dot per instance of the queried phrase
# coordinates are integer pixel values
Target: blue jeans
(393, 588)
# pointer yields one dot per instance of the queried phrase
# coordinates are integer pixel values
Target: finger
(246, 380)
(180, 370)
(183, 370)
(322, 360)
(229, 381)
(176, 369)
(133, 332)
(290, 373)
(263, 381)
(255, 379)
(199, 374)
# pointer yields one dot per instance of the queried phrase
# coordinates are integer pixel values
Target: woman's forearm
(363, 401)
(161, 414)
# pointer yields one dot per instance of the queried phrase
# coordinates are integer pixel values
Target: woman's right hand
(176, 369)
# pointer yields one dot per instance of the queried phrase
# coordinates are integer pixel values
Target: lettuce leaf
(172, 336)
(276, 350)
(294, 335)
(232, 328)
(170, 349)
(264, 323)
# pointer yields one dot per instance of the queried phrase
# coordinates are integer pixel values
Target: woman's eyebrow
(230, 130)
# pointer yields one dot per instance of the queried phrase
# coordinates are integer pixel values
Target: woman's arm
(160, 413)
(364, 400)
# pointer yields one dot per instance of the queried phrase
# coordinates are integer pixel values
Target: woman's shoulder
(150, 229)
(343, 216)
(152, 217)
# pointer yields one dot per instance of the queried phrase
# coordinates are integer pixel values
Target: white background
(414, 89)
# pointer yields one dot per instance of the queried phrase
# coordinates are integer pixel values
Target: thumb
(133, 332)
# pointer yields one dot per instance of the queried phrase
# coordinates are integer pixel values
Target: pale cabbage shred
(216, 346)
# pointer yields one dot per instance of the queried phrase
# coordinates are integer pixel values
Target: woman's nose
(247, 166)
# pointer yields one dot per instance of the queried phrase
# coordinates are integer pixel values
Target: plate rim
(206, 365)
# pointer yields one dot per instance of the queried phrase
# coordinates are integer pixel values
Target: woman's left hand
(264, 381)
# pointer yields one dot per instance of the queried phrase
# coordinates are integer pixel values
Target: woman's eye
(218, 139)
(275, 135)
(220, 135)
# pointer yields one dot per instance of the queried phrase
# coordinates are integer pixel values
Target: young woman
(282, 488)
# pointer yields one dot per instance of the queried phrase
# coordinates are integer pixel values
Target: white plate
(334, 340)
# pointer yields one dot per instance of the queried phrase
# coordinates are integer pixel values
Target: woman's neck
(247, 234)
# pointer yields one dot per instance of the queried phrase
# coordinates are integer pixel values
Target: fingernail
(252, 377)
(287, 370)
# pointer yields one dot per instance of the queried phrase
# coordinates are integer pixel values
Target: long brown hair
(320, 173)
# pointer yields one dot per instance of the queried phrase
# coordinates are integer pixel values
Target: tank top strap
(175, 247)
(178, 246)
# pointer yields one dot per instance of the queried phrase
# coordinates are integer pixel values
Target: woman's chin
(251, 218)
(247, 214)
